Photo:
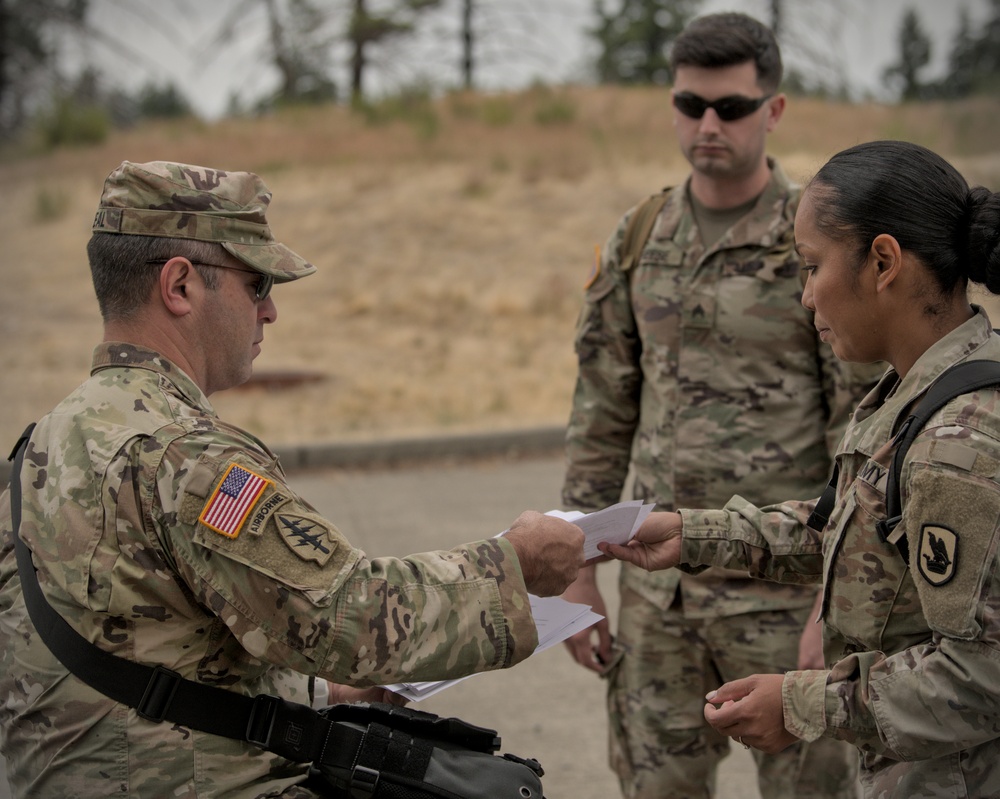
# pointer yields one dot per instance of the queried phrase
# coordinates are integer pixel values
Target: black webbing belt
(293, 731)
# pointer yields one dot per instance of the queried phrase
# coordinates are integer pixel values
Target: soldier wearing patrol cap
(167, 537)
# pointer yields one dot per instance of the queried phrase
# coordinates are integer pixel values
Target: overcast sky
(520, 41)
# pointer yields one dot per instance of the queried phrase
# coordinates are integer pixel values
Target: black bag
(409, 754)
(357, 751)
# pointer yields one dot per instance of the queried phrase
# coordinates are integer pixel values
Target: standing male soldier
(169, 538)
(699, 368)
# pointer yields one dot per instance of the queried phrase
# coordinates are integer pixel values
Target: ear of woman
(886, 256)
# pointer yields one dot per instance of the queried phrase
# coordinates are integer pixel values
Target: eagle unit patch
(938, 551)
(232, 500)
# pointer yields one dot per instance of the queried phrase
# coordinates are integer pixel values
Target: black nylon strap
(820, 516)
(294, 731)
(962, 378)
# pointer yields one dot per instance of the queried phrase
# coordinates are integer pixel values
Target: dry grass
(451, 243)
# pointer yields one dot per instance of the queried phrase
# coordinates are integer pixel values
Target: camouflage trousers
(660, 744)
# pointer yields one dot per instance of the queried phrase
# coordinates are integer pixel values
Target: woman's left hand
(749, 710)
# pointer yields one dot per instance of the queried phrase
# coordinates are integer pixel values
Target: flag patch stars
(233, 500)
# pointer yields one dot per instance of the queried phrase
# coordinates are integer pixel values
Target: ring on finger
(740, 739)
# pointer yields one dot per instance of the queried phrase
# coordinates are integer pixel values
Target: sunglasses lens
(691, 105)
(733, 108)
(264, 285)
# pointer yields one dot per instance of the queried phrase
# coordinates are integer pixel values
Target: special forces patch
(938, 551)
(308, 537)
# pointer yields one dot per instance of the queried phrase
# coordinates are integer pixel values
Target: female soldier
(890, 235)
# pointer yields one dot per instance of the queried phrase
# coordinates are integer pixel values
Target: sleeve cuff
(803, 702)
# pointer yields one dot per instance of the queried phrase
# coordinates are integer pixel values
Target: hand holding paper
(616, 524)
(555, 618)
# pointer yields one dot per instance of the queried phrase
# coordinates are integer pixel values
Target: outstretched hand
(657, 544)
(550, 551)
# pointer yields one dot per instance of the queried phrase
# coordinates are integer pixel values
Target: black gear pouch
(403, 753)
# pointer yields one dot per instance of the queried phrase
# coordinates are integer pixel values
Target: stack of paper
(616, 524)
(555, 618)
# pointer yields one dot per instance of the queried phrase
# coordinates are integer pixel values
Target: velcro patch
(309, 537)
(938, 551)
(232, 500)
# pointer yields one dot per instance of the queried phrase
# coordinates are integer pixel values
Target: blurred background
(449, 165)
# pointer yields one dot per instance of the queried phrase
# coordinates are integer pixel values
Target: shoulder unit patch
(307, 536)
(937, 554)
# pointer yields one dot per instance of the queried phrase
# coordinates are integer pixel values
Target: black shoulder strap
(293, 731)
(820, 516)
(639, 227)
(962, 378)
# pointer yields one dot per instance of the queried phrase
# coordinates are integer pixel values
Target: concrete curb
(391, 452)
(398, 451)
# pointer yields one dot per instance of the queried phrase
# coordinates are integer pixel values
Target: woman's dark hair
(918, 198)
(726, 40)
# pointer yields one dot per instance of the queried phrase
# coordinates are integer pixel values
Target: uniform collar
(767, 223)
(883, 409)
(117, 354)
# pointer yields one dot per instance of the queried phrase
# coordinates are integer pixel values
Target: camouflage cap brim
(271, 259)
(182, 201)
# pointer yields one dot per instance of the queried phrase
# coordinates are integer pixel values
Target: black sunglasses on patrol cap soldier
(264, 282)
(728, 109)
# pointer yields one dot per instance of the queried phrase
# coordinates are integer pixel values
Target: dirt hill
(452, 240)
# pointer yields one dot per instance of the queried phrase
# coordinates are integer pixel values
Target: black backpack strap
(820, 516)
(291, 730)
(962, 378)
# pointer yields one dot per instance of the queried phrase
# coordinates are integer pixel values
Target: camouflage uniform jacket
(914, 647)
(702, 369)
(168, 537)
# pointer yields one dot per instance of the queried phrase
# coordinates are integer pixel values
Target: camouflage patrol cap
(181, 201)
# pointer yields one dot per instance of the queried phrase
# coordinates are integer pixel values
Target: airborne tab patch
(938, 550)
(308, 537)
(233, 500)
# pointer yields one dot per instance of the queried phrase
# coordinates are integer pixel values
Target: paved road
(546, 707)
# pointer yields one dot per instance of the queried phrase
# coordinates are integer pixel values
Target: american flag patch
(233, 500)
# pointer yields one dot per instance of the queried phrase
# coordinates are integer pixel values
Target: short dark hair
(728, 39)
(918, 198)
(122, 276)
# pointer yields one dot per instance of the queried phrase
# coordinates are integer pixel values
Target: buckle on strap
(159, 693)
(261, 721)
(364, 781)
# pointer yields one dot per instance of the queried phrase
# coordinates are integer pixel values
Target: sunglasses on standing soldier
(261, 290)
(728, 109)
